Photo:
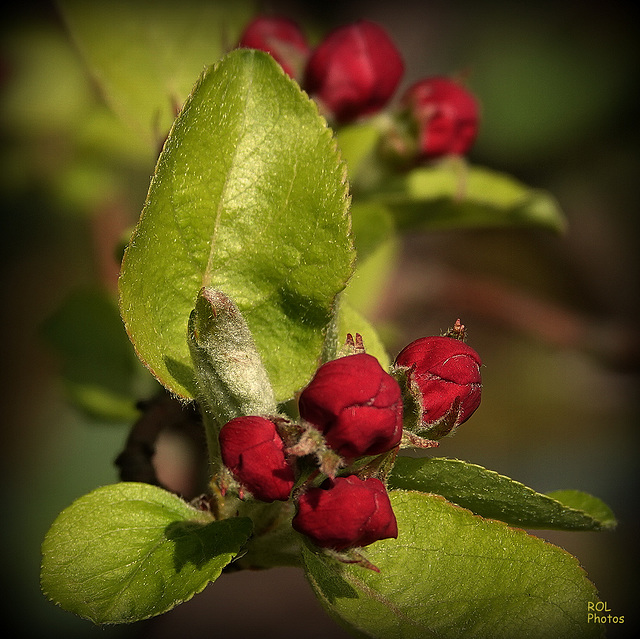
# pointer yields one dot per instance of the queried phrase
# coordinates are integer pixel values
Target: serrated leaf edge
(597, 524)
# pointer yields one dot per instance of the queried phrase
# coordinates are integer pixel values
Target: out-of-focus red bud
(444, 373)
(346, 512)
(280, 37)
(253, 451)
(354, 71)
(445, 114)
(355, 404)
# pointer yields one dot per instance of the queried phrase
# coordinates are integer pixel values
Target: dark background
(553, 317)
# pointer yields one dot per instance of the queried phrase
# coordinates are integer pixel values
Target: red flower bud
(280, 37)
(444, 372)
(346, 512)
(253, 451)
(356, 404)
(354, 71)
(445, 114)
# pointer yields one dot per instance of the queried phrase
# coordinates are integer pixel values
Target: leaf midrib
(220, 209)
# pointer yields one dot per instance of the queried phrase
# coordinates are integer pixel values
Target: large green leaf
(249, 197)
(145, 55)
(58, 115)
(489, 494)
(452, 195)
(452, 574)
(129, 551)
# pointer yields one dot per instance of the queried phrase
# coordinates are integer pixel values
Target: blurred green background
(553, 317)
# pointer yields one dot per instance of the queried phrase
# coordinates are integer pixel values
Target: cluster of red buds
(355, 71)
(332, 462)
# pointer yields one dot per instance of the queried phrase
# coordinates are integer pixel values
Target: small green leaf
(145, 55)
(489, 494)
(130, 551)
(250, 198)
(357, 142)
(377, 246)
(99, 369)
(61, 115)
(35, 101)
(373, 226)
(452, 195)
(451, 574)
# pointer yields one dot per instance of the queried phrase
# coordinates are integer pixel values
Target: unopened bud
(346, 512)
(354, 71)
(253, 451)
(355, 404)
(443, 377)
(280, 37)
(445, 115)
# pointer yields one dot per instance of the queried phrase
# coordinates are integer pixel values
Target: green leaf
(61, 115)
(145, 55)
(377, 246)
(249, 197)
(130, 551)
(451, 574)
(373, 227)
(452, 195)
(357, 142)
(376, 243)
(489, 494)
(36, 101)
(99, 370)
(586, 503)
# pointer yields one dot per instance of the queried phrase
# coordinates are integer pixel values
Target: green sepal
(411, 400)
